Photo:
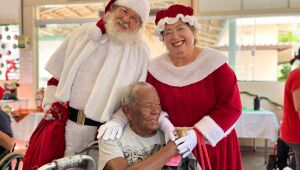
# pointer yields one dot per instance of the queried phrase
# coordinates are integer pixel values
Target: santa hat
(141, 7)
(172, 15)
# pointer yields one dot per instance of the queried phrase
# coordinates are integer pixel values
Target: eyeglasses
(177, 29)
(134, 20)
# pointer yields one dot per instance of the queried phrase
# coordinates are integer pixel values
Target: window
(256, 47)
(54, 24)
(48, 43)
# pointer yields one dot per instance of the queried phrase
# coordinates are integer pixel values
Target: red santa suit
(203, 94)
(90, 71)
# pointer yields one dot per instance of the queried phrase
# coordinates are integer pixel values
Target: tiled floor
(253, 160)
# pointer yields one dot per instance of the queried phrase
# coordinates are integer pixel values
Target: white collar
(207, 61)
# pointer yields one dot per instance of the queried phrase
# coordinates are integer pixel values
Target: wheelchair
(10, 161)
(282, 157)
(80, 159)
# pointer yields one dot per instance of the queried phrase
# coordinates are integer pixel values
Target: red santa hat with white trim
(171, 15)
(141, 7)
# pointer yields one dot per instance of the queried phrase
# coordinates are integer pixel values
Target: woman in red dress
(197, 88)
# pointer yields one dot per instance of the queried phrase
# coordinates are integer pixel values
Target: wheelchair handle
(68, 162)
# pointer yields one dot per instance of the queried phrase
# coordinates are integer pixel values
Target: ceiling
(208, 34)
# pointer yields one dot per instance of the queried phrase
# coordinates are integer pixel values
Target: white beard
(122, 37)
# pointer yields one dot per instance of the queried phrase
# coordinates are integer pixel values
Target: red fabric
(100, 24)
(1, 92)
(289, 130)
(48, 140)
(200, 151)
(108, 6)
(217, 95)
(11, 64)
(173, 11)
(52, 82)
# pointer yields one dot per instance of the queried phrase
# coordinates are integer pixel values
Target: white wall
(250, 33)
(9, 10)
(261, 66)
(271, 90)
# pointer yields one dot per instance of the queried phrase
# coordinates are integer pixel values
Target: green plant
(289, 37)
(284, 70)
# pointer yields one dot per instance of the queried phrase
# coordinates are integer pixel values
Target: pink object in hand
(174, 161)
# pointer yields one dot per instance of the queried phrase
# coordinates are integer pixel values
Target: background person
(290, 129)
(197, 88)
(6, 135)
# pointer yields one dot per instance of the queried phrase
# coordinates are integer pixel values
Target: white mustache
(123, 23)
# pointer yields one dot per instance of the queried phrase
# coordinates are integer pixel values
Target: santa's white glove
(187, 143)
(111, 129)
(114, 127)
(47, 107)
(167, 127)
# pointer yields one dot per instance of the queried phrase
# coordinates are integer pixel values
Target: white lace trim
(191, 20)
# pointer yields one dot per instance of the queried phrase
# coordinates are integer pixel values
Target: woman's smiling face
(179, 38)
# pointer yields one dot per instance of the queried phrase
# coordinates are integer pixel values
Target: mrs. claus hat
(141, 7)
(172, 15)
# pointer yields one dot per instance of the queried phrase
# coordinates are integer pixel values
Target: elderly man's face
(126, 20)
(145, 115)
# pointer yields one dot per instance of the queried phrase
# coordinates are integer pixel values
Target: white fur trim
(165, 114)
(191, 20)
(94, 33)
(141, 7)
(164, 70)
(124, 64)
(49, 96)
(230, 129)
(210, 129)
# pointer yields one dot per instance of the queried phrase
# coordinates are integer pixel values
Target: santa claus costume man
(90, 70)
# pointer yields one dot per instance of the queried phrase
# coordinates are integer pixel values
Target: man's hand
(111, 129)
(187, 143)
(168, 128)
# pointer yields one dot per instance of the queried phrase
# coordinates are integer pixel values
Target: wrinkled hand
(110, 130)
(187, 143)
(168, 128)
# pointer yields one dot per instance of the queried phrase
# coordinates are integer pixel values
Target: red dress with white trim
(203, 94)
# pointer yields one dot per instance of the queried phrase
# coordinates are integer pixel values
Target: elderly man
(90, 70)
(141, 137)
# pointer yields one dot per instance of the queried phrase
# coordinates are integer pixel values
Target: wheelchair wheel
(11, 161)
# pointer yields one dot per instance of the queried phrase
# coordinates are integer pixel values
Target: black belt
(78, 117)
